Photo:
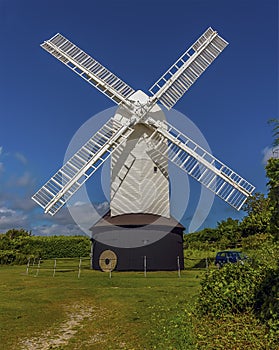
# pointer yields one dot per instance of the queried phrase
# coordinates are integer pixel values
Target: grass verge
(127, 311)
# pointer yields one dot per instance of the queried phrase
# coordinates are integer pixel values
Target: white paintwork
(135, 186)
(89, 69)
(188, 68)
(197, 162)
(140, 139)
(81, 166)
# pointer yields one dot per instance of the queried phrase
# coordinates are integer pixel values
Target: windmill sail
(73, 174)
(88, 68)
(187, 69)
(200, 164)
(157, 145)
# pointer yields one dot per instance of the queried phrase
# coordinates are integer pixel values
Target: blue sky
(42, 103)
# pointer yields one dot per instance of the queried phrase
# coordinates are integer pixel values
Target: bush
(228, 290)
(16, 246)
(10, 257)
(237, 288)
(7, 257)
(58, 246)
(266, 256)
(256, 241)
(267, 301)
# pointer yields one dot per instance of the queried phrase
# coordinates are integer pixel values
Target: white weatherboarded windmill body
(140, 143)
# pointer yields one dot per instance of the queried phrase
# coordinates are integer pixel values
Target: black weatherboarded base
(163, 254)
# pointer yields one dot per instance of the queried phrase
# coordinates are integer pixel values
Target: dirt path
(59, 337)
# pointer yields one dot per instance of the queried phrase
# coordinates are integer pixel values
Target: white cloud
(63, 223)
(86, 215)
(102, 207)
(267, 154)
(59, 224)
(78, 204)
(22, 203)
(1, 163)
(56, 230)
(12, 219)
(19, 156)
(24, 180)
(6, 211)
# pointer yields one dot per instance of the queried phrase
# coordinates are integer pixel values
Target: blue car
(229, 256)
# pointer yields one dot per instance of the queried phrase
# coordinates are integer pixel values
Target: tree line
(18, 245)
(261, 222)
(251, 288)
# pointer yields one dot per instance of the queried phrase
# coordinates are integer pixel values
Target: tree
(17, 233)
(275, 131)
(229, 229)
(272, 173)
(258, 219)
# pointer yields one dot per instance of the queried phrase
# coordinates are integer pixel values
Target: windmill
(140, 143)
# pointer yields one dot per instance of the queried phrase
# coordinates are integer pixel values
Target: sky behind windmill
(43, 104)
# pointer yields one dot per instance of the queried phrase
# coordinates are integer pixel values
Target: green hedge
(16, 246)
(10, 257)
(57, 246)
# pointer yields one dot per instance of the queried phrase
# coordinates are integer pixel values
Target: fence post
(144, 265)
(206, 263)
(178, 267)
(79, 267)
(54, 268)
(92, 253)
(110, 268)
(38, 268)
(27, 267)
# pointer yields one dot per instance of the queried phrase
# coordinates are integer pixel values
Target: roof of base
(139, 219)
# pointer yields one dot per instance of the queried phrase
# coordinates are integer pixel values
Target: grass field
(127, 311)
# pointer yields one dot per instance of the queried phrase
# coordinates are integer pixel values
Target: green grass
(194, 259)
(237, 332)
(127, 311)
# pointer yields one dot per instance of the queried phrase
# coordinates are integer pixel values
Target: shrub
(231, 289)
(266, 256)
(256, 241)
(251, 287)
(10, 257)
(7, 256)
(267, 301)
(57, 246)
(16, 246)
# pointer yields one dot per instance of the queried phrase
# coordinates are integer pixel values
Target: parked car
(229, 256)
